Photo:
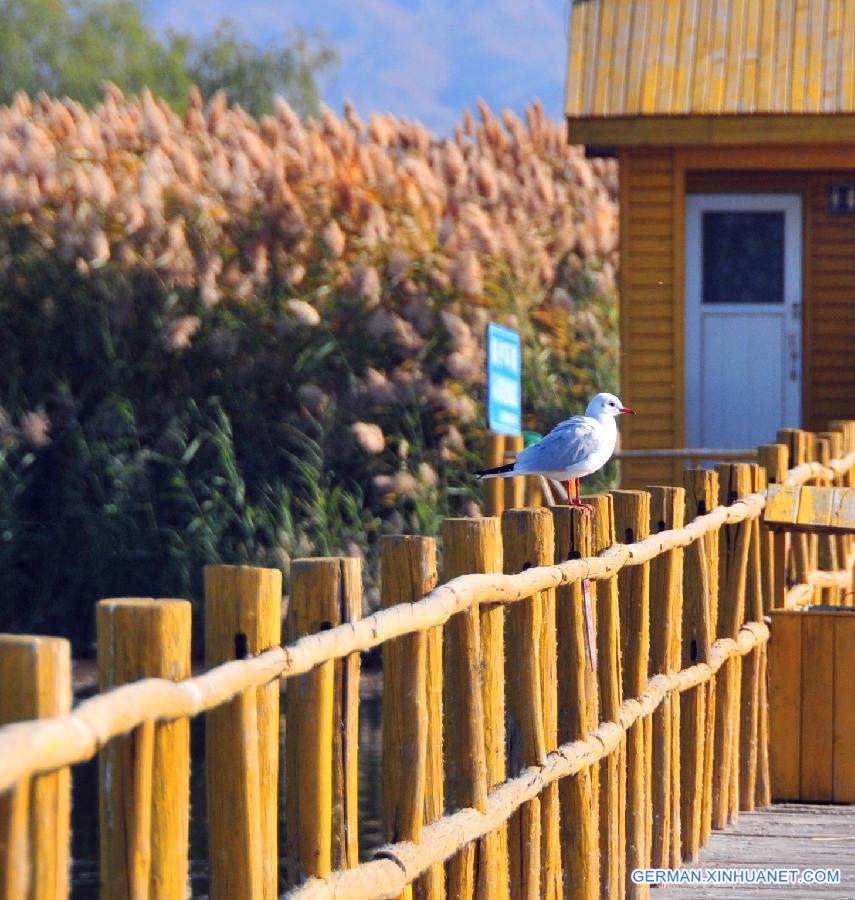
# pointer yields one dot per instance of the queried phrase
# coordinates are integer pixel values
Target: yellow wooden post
(528, 539)
(827, 544)
(763, 785)
(494, 488)
(15, 874)
(321, 716)
(750, 728)
(839, 544)
(492, 881)
(35, 673)
(431, 885)
(666, 613)
(463, 709)
(735, 481)
(798, 443)
(846, 430)
(632, 523)
(697, 706)
(702, 488)
(345, 755)
(407, 573)
(514, 487)
(242, 617)
(533, 497)
(145, 776)
(773, 459)
(577, 709)
(610, 680)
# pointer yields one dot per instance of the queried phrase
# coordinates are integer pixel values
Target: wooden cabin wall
(828, 333)
(653, 184)
(651, 323)
(830, 308)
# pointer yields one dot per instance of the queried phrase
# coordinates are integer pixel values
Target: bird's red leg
(579, 499)
(569, 494)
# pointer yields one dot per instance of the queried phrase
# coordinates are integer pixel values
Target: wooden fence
(516, 761)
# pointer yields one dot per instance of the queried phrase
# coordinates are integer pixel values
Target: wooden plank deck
(791, 835)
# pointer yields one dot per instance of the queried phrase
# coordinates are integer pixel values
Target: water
(85, 875)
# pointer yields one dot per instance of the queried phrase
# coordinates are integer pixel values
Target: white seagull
(577, 447)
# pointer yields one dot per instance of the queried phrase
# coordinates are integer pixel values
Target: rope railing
(397, 865)
(30, 748)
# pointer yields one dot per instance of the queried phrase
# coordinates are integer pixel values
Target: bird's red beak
(626, 409)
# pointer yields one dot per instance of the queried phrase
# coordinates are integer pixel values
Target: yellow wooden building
(734, 125)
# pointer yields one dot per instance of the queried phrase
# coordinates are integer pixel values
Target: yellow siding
(711, 57)
(830, 310)
(649, 375)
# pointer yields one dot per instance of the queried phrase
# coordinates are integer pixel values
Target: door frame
(793, 303)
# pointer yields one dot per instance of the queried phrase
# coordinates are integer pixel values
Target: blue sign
(504, 380)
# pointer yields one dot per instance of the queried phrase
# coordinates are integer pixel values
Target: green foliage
(71, 47)
(252, 76)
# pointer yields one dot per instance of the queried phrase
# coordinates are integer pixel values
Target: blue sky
(423, 59)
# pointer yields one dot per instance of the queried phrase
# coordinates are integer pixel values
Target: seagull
(577, 447)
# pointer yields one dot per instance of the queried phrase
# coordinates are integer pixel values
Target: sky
(421, 59)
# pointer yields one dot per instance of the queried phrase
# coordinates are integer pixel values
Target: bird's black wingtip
(498, 470)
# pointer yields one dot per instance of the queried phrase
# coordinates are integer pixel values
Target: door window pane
(743, 257)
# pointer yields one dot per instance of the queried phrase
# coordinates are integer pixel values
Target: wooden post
(514, 487)
(826, 544)
(610, 678)
(322, 716)
(492, 881)
(145, 776)
(528, 540)
(773, 459)
(666, 613)
(412, 711)
(632, 523)
(431, 885)
(465, 749)
(762, 788)
(494, 488)
(242, 617)
(735, 481)
(475, 545)
(839, 545)
(345, 754)
(846, 443)
(405, 711)
(533, 498)
(846, 429)
(577, 709)
(35, 673)
(798, 444)
(749, 703)
(701, 497)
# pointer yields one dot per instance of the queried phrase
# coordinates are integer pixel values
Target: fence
(565, 708)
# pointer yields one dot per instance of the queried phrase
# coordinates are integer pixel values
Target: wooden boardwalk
(791, 835)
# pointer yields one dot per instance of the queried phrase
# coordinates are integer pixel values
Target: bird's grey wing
(568, 444)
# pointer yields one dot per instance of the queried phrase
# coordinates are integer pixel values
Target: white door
(743, 318)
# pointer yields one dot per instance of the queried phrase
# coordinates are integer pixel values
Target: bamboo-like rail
(397, 865)
(32, 749)
(29, 748)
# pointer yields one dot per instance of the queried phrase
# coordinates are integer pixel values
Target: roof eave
(712, 130)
